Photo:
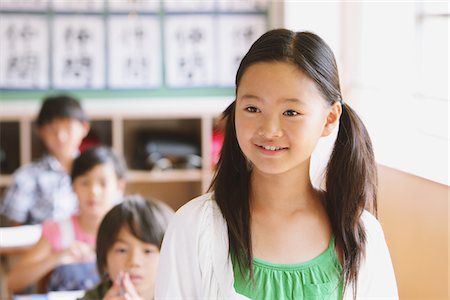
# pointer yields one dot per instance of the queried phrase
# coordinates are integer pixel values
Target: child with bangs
(128, 243)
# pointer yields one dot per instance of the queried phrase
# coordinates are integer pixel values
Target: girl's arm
(34, 265)
(194, 261)
(177, 264)
(41, 259)
(376, 276)
(178, 274)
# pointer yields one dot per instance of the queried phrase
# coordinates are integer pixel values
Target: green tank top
(319, 278)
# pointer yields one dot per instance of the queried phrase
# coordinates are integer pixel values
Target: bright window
(401, 87)
(394, 65)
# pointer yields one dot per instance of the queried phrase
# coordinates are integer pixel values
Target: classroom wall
(414, 213)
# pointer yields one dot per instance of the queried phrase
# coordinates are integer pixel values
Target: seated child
(66, 248)
(41, 190)
(128, 243)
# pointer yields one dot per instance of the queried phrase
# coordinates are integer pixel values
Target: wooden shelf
(117, 123)
(5, 180)
(164, 176)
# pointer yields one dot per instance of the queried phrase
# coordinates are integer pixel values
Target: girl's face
(139, 259)
(280, 116)
(63, 136)
(98, 190)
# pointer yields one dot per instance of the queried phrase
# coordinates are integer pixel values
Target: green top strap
(318, 278)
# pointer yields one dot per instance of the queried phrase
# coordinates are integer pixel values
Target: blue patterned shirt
(40, 191)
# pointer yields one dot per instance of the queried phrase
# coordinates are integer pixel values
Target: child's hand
(122, 289)
(76, 253)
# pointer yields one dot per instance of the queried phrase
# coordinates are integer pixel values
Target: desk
(66, 295)
(14, 241)
(18, 237)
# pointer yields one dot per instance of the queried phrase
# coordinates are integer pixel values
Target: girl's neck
(282, 192)
(89, 224)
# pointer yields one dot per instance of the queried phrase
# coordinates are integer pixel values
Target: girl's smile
(271, 150)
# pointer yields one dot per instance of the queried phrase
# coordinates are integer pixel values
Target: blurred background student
(128, 243)
(66, 248)
(42, 190)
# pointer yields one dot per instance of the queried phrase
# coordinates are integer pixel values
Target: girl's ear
(332, 120)
(86, 128)
(121, 184)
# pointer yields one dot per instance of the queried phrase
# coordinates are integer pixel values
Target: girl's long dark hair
(351, 176)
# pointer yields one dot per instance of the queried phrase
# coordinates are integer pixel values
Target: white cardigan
(194, 261)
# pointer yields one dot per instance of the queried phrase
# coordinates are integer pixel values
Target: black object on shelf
(166, 150)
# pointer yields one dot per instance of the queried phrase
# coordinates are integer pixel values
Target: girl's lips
(271, 150)
(134, 277)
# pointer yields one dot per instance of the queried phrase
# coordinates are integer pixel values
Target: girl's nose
(96, 189)
(270, 127)
(134, 259)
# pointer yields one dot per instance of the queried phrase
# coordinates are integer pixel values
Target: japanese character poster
(134, 52)
(248, 5)
(236, 35)
(189, 51)
(24, 52)
(78, 52)
(78, 5)
(35, 5)
(134, 5)
(188, 5)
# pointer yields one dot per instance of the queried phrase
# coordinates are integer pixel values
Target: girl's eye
(120, 250)
(150, 250)
(290, 113)
(252, 109)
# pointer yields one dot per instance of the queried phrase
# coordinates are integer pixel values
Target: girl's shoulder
(377, 252)
(376, 278)
(197, 215)
(371, 224)
(201, 205)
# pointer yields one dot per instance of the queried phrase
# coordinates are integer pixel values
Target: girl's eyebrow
(295, 100)
(250, 97)
(288, 100)
(120, 241)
